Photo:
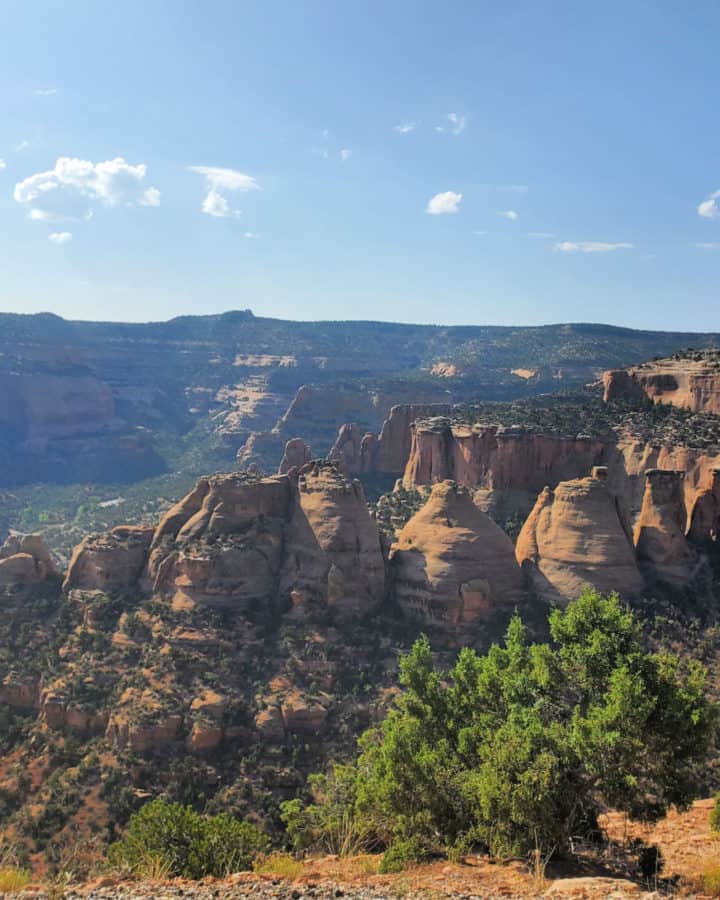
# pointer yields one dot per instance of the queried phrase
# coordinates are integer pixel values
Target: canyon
(235, 637)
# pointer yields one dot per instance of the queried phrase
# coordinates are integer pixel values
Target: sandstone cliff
(452, 565)
(508, 466)
(662, 548)
(576, 536)
(296, 454)
(690, 379)
(109, 562)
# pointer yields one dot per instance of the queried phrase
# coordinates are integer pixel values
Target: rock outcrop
(353, 449)
(576, 536)
(25, 560)
(271, 544)
(705, 514)
(662, 548)
(296, 454)
(109, 562)
(508, 466)
(452, 566)
(690, 380)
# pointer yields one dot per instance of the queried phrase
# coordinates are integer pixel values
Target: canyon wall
(689, 380)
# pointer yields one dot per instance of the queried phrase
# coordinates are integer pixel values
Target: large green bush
(517, 750)
(180, 842)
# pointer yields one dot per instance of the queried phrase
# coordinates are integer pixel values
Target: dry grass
(13, 879)
(281, 864)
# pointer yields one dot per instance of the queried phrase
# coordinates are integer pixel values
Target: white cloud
(3, 164)
(480, 233)
(709, 208)
(541, 234)
(714, 245)
(74, 187)
(590, 246)
(251, 235)
(60, 237)
(218, 182)
(345, 155)
(456, 124)
(509, 214)
(405, 127)
(23, 145)
(45, 92)
(447, 202)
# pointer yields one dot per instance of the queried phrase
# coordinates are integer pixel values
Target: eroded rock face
(296, 454)
(509, 466)
(662, 548)
(272, 544)
(705, 515)
(452, 565)
(109, 562)
(25, 560)
(576, 536)
(690, 380)
(352, 451)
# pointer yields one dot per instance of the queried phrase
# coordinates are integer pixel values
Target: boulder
(575, 536)
(25, 560)
(452, 565)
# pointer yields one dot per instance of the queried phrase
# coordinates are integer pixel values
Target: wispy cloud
(405, 127)
(480, 233)
(590, 246)
(75, 187)
(45, 92)
(219, 182)
(251, 235)
(3, 164)
(60, 237)
(509, 214)
(709, 208)
(446, 202)
(345, 154)
(541, 234)
(711, 245)
(23, 145)
(454, 123)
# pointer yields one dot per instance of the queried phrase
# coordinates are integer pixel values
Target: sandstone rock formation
(690, 380)
(353, 449)
(575, 536)
(705, 515)
(662, 548)
(272, 543)
(452, 565)
(296, 454)
(25, 560)
(508, 465)
(109, 562)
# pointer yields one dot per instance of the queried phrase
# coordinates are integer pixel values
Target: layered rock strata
(576, 536)
(451, 564)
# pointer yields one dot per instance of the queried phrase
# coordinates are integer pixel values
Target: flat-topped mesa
(452, 565)
(508, 466)
(690, 380)
(705, 513)
(109, 562)
(575, 536)
(296, 454)
(662, 548)
(271, 543)
(25, 560)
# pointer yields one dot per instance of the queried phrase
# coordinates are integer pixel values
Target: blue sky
(451, 162)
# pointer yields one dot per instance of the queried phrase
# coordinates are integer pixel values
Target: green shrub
(186, 843)
(518, 750)
(401, 854)
(715, 815)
